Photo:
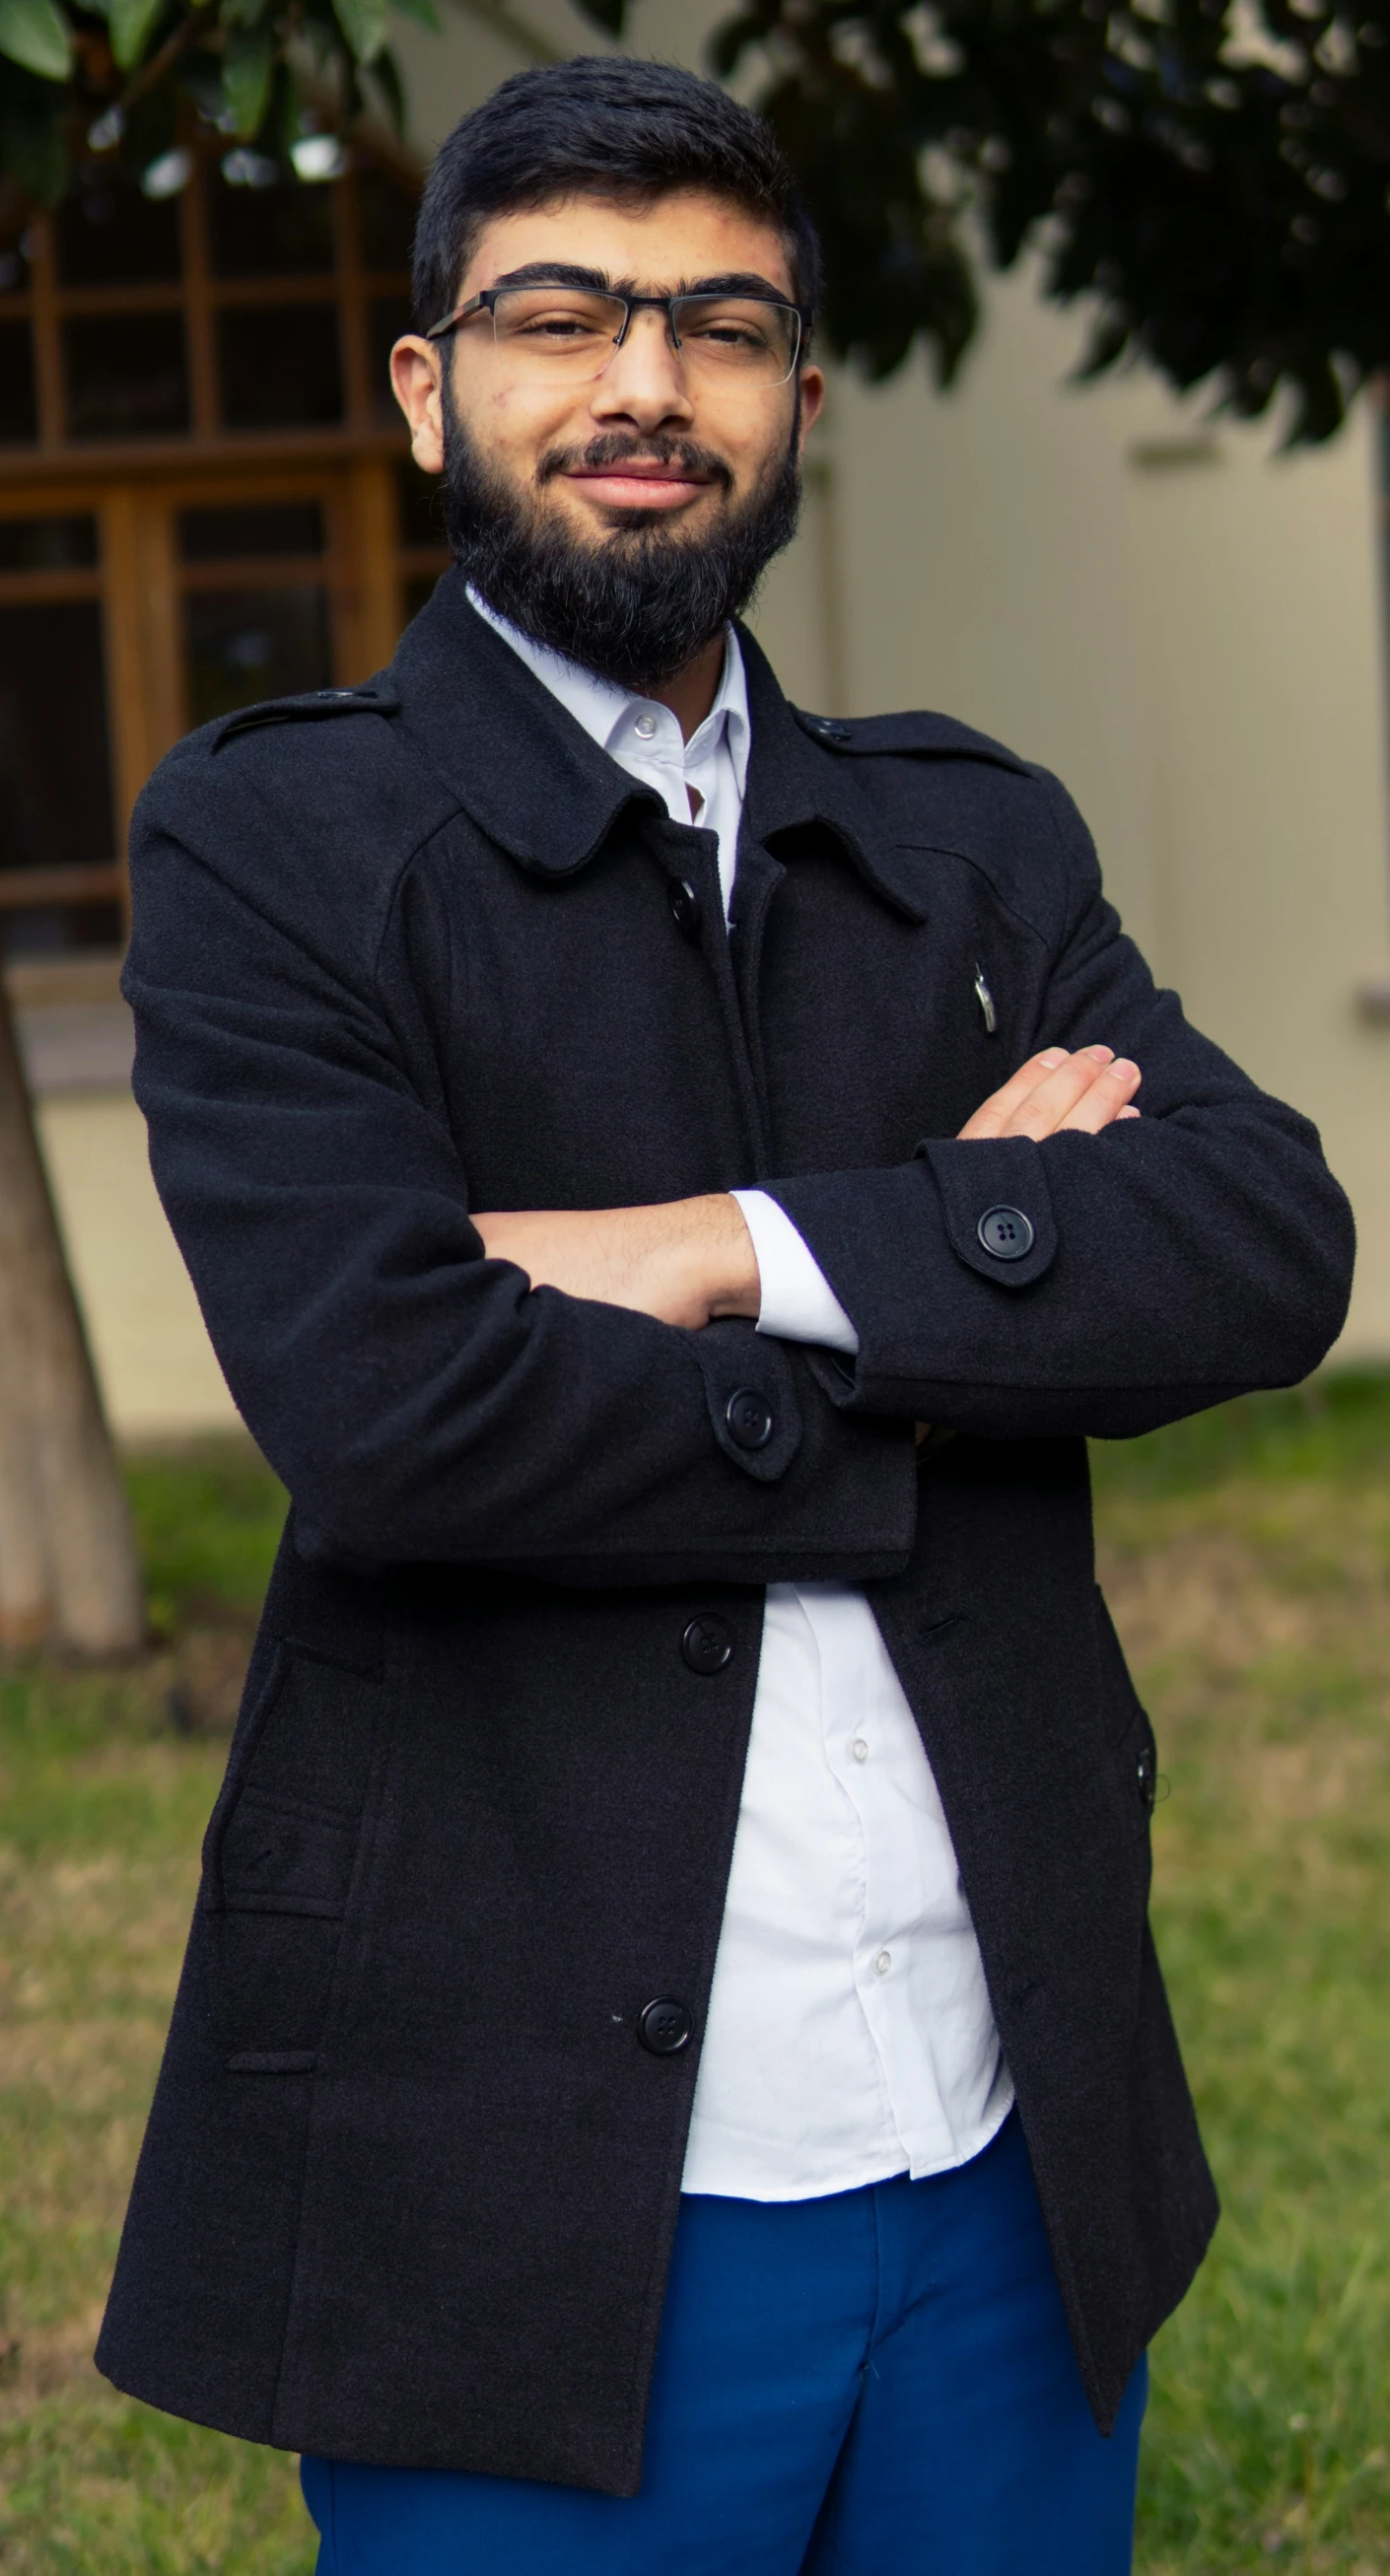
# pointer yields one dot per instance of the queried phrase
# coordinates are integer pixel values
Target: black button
(1006, 1232)
(685, 906)
(828, 728)
(749, 1418)
(1147, 1778)
(665, 2027)
(707, 1645)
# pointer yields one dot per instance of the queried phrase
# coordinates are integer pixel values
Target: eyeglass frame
(485, 301)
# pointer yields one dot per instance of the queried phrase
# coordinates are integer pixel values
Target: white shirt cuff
(798, 1303)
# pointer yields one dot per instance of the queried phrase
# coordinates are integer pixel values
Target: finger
(993, 1115)
(1127, 1112)
(1055, 1101)
(1108, 1097)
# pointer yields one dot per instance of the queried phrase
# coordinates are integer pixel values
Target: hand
(1055, 1091)
(684, 1261)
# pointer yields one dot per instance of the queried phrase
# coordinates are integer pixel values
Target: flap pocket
(279, 1857)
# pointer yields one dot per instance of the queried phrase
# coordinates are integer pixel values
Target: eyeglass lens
(565, 331)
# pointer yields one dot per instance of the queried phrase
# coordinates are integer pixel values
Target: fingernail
(1102, 1054)
(1122, 1068)
(1053, 1057)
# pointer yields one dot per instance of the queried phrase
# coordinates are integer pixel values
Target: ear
(415, 374)
(812, 391)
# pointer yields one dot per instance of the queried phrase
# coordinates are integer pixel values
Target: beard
(634, 605)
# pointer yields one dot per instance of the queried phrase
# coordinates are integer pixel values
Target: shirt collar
(605, 710)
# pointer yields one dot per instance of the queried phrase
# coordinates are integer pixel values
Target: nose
(643, 380)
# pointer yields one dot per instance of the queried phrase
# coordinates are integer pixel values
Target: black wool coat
(412, 2171)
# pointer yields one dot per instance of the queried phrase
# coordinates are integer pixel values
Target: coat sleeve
(1191, 1254)
(418, 1400)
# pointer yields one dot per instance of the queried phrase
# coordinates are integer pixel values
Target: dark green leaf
(423, 10)
(31, 138)
(132, 24)
(611, 15)
(247, 66)
(36, 34)
(363, 22)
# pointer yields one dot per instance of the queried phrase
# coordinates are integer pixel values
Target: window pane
(280, 366)
(126, 375)
(18, 410)
(284, 231)
(48, 545)
(419, 505)
(244, 645)
(14, 259)
(113, 235)
(261, 528)
(387, 317)
(417, 591)
(386, 213)
(50, 929)
(55, 779)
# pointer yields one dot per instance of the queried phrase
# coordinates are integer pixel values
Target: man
(671, 2072)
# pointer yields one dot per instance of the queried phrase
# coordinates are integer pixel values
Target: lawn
(1246, 1557)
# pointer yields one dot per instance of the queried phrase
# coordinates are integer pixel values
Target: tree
(1211, 174)
(68, 1569)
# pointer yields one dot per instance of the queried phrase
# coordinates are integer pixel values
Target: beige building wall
(1185, 626)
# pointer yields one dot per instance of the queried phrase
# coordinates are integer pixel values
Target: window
(205, 498)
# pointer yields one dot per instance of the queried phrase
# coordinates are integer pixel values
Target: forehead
(686, 235)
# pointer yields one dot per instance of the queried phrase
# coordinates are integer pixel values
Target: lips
(642, 486)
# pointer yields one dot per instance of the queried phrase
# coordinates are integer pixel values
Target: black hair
(602, 125)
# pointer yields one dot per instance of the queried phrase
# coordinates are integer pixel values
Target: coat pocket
(280, 1862)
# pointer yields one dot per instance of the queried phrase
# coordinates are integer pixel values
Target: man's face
(643, 397)
(585, 497)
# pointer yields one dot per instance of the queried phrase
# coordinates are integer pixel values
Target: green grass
(1247, 1556)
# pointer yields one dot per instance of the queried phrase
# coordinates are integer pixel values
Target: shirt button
(883, 1963)
(859, 1749)
(645, 727)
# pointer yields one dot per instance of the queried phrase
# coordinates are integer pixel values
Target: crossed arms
(691, 1261)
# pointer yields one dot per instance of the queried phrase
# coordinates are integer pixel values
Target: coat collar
(536, 784)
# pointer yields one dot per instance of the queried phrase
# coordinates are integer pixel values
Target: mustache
(620, 447)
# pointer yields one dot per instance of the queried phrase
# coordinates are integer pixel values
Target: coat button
(665, 2027)
(1006, 1232)
(707, 1645)
(1145, 1775)
(749, 1417)
(685, 906)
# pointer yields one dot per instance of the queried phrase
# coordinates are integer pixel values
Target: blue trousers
(878, 2383)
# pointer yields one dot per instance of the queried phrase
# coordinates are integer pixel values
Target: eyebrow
(552, 272)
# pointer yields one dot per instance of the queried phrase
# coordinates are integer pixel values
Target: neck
(692, 692)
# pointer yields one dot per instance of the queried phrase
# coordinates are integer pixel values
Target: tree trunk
(68, 1568)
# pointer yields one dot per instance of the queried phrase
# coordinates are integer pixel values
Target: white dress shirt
(850, 2035)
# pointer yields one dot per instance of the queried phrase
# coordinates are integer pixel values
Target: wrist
(733, 1283)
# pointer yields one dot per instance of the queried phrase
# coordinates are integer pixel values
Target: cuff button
(1006, 1233)
(749, 1418)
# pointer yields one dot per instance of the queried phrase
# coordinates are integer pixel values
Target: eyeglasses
(567, 334)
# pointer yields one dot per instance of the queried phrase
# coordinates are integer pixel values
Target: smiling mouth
(641, 485)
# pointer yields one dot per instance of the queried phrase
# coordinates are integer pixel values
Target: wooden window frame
(135, 487)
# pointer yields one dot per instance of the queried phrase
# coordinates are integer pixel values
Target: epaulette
(914, 731)
(374, 697)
